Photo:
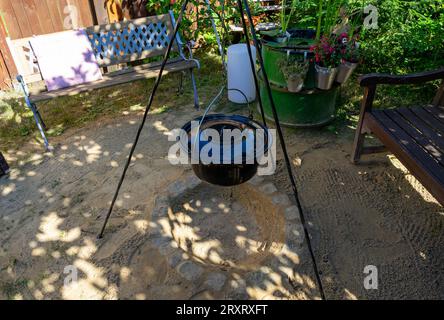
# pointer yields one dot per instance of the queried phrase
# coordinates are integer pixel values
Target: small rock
(297, 161)
(190, 270)
(268, 188)
(292, 213)
(215, 281)
(281, 199)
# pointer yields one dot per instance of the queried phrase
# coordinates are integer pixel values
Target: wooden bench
(116, 44)
(414, 135)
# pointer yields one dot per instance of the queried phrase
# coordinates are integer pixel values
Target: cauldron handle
(212, 104)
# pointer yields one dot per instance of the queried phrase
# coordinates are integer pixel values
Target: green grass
(17, 124)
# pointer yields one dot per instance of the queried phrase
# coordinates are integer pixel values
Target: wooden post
(101, 12)
(4, 168)
(114, 9)
(8, 70)
(367, 102)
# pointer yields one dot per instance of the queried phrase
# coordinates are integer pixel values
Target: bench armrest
(373, 79)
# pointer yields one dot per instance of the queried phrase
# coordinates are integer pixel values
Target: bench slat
(120, 77)
(435, 137)
(437, 112)
(416, 136)
(432, 121)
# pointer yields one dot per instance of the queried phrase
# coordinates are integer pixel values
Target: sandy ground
(52, 207)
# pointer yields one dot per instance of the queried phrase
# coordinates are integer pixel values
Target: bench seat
(130, 74)
(416, 138)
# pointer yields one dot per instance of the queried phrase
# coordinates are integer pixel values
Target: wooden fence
(25, 18)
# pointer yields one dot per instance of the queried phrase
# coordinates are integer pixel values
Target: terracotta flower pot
(325, 77)
(345, 70)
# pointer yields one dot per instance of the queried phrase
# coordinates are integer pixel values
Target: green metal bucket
(272, 53)
(308, 108)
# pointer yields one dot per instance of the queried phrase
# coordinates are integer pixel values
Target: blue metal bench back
(131, 40)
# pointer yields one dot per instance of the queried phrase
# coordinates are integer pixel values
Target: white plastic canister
(240, 76)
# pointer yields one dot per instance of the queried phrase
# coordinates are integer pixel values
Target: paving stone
(190, 270)
(167, 248)
(176, 258)
(238, 283)
(160, 241)
(256, 180)
(294, 236)
(258, 277)
(161, 201)
(238, 290)
(237, 206)
(159, 212)
(281, 199)
(294, 230)
(292, 213)
(177, 188)
(238, 295)
(215, 281)
(192, 182)
(155, 232)
(268, 188)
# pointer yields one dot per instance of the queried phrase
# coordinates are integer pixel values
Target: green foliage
(292, 68)
(196, 24)
(409, 37)
(328, 15)
(286, 15)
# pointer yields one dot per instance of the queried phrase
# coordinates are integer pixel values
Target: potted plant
(349, 52)
(327, 60)
(294, 72)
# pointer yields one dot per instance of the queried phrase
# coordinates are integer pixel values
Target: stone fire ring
(194, 269)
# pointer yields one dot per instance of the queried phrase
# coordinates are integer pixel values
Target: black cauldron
(237, 163)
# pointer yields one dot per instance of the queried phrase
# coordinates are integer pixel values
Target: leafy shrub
(409, 38)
